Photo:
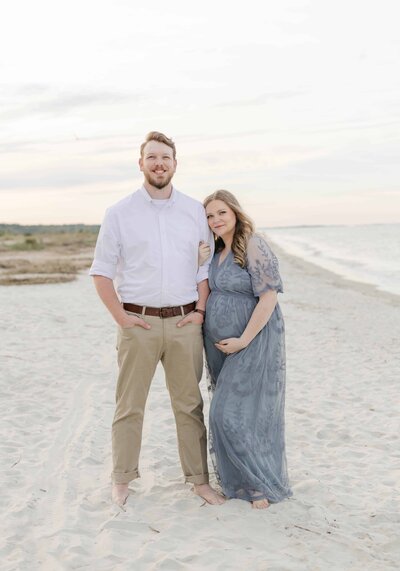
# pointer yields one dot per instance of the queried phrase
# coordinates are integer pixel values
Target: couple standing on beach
(149, 244)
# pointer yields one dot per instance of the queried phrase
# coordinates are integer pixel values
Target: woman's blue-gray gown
(247, 440)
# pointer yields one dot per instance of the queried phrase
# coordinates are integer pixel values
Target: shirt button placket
(163, 244)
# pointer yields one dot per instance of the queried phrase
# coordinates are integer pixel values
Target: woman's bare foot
(206, 492)
(260, 504)
(119, 494)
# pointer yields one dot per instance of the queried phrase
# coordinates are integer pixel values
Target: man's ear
(140, 161)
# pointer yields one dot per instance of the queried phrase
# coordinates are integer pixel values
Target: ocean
(367, 253)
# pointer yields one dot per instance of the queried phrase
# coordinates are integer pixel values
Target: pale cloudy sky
(292, 105)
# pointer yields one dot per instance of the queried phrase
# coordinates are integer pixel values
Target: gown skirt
(247, 426)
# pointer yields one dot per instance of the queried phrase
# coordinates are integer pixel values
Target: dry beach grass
(44, 257)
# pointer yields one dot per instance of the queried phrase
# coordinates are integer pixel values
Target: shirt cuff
(102, 269)
(202, 274)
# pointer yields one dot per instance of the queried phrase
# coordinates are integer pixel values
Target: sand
(58, 372)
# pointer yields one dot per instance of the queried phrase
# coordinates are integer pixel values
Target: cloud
(67, 174)
(42, 100)
(262, 99)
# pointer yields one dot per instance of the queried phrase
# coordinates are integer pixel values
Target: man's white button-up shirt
(150, 249)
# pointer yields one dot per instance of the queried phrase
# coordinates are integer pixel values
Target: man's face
(157, 164)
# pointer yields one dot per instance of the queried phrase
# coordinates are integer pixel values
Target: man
(148, 243)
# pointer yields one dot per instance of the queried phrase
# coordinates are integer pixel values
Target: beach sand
(57, 385)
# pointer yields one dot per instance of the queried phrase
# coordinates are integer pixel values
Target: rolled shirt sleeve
(108, 248)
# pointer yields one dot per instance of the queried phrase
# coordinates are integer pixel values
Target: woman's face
(221, 218)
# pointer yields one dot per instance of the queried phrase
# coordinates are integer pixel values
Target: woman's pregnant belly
(227, 316)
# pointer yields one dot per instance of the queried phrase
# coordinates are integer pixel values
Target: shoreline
(81, 260)
(337, 279)
(367, 254)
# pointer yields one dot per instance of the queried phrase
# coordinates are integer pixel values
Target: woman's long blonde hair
(243, 230)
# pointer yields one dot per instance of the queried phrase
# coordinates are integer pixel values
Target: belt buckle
(166, 312)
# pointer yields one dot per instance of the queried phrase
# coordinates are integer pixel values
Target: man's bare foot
(206, 492)
(260, 504)
(120, 494)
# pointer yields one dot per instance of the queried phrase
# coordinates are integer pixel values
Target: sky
(294, 106)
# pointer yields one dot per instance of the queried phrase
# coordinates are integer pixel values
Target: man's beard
(154, 181)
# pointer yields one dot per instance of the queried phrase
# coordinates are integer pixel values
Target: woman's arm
(204, 252)
(259, 318)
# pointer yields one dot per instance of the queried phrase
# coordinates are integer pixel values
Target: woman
(245, 352)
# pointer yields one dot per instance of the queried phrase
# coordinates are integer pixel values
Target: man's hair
(160, 138)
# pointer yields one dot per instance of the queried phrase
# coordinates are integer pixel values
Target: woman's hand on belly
(231, 345)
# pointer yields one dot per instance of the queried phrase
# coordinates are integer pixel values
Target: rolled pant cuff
(124, 477)
(201, 479)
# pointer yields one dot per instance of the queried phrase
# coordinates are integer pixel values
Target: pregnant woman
(245, 352)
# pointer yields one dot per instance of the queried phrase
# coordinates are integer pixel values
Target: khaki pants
(181, 352)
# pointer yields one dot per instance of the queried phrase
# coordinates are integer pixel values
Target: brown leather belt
(160, 311)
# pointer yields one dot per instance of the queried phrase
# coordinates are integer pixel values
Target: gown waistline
(234, 293)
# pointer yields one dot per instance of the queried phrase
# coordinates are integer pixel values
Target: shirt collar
(171, 199)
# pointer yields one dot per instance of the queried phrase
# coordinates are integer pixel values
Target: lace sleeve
(263, 266)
